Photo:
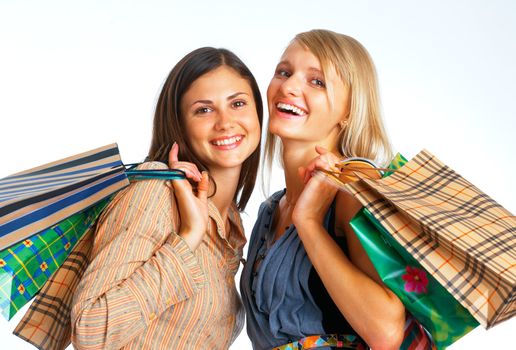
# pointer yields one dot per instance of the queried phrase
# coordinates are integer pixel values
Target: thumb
(321, 150)
(203, 186)
(172, 155)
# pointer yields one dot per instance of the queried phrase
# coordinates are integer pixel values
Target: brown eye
(239, 104)
(203, 110)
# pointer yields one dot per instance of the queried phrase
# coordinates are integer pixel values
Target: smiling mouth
(290, 109)
(228, 141)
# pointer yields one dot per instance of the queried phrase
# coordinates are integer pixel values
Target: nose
(291, 86)
(224, 120)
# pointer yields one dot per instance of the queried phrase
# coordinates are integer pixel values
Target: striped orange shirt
(145, 288)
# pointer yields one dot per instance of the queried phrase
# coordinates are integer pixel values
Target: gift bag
(47, 324)
(26, 266)
(34, 200)
(441, 315)
(459, 235)
(429, 302)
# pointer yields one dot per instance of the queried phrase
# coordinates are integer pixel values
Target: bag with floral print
(425, 298)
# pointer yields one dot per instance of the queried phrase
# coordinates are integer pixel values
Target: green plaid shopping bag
(26, 266)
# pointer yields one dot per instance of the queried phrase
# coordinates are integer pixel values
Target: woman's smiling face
(298, 100)
(220, 118)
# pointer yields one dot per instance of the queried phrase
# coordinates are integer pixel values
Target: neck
(227, 181)
(295, 155)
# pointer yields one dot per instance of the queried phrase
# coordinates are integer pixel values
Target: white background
(78, 75)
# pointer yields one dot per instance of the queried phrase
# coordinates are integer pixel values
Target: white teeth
(287, 107)
(229, 141)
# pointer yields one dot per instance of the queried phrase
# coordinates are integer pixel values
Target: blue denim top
(279, 305)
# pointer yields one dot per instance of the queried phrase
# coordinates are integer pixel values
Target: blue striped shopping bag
(34, 200)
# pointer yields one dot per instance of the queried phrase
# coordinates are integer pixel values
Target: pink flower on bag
(415, 280)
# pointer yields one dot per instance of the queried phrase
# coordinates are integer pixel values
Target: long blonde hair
(364, 135)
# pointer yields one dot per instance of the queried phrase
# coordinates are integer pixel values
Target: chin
(230, 163)
(281, 130)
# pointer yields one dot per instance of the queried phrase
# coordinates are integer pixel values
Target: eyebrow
(315, 70)
(310, 69)
(230, 97)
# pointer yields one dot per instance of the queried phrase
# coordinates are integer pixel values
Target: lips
(288, 110)
(229, 142)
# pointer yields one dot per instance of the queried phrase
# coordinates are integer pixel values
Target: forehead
(220, 81)
(297, 54)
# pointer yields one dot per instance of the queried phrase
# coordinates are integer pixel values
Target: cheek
(272, 90)
(195, 133)
(253, 126)
(320, 104)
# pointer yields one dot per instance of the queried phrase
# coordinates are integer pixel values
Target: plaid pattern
(459, 234)
(46, 324)
(33, 200)
(26, 266)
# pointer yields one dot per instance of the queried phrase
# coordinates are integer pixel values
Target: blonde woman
(308, 281)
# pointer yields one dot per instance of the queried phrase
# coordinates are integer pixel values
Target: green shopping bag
(429, 302)
(26, 266)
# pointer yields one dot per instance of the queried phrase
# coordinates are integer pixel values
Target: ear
(343, 123)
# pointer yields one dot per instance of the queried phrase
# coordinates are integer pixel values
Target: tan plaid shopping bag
(459, 234)
(47, 324)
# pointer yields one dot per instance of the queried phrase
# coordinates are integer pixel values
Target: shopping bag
(34, 200)
(47, 323)
(441, 315)
(429, 302)
(44, 211)
(459, 235)
(26, 266)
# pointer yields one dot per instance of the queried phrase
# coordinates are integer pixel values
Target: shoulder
(144, 194)
(151, 166)
(159, 186)
(143, 206)
(271, 202)
(265, 212)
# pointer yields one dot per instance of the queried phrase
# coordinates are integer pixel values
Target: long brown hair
(168, 122)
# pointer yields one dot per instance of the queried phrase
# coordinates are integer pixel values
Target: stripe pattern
(460, 235)
(415, 337)
(145, 289)
(33, 200)
(26, 266)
